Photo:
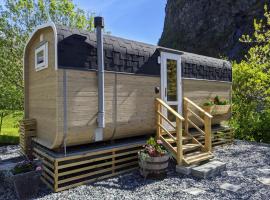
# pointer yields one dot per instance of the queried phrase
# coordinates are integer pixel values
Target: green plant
(25, 166)
(251, 91)
(153, 148)
(18, 18)
(216, 101)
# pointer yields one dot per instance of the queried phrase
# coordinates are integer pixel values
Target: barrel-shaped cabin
(61, 84)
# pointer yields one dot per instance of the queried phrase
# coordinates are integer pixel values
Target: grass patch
(10, 129)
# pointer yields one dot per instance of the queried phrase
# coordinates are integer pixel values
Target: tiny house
(61, 85)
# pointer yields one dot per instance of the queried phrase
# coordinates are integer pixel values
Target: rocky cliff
(210, 27)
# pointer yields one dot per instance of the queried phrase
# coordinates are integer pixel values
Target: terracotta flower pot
(153, 167)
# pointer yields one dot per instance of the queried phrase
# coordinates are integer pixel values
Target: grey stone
(235, 174)
(186, 170)
(209, 169)
(194, 191)
(265, 181)
(264, 170)
(230, 187)
(7, 166)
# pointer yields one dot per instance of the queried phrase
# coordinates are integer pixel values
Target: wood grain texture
(41, 88)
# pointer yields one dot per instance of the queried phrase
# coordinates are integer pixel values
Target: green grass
(10, 129)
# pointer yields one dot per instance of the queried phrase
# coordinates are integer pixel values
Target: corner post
(208, 130)
(186, 116)
(179, 141)
(158, 119)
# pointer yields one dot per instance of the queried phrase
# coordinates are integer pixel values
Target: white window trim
(43, 65)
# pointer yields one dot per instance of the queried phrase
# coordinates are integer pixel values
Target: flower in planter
(25, 166)
(38, 168)
(153, 148)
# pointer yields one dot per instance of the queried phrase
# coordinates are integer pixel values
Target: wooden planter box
(27, 184)
(217, 109)
(153, 167)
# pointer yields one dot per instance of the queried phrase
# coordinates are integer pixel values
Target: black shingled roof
(77, 50)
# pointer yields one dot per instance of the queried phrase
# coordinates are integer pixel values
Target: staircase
(185, 147)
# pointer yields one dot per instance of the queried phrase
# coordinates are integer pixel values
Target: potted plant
(217, 107)
(26, 178)
(153, 159)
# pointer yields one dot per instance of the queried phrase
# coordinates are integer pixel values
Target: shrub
(251, 86)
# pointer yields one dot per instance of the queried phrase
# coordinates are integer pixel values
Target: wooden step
(189, 147)
(185, 139)
(197, 157)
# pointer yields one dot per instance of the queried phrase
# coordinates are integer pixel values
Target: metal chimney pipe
(99, 25)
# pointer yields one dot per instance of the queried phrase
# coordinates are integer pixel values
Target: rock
(230, 187)
(265, 181)
(209, 169)
(210, 28)
(194, 191)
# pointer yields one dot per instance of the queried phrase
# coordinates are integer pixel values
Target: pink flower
(159, 141)
(38, 168)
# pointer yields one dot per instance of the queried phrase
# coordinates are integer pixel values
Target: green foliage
(18, 18)
(152, 148)
(216, 101)
(251, 86)
(24, 167)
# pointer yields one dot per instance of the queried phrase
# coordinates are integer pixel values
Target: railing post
(186, 116)
(158, 120)
(208, 133)
(179, 141)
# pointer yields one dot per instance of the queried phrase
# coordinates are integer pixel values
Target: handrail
(206, 121)
(176, 114)
(178, 128)
(197, 107)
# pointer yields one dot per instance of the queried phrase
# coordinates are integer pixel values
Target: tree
(18, 18)
(251, 85)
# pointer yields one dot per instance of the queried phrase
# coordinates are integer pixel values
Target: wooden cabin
(145, 89)
(60, 74)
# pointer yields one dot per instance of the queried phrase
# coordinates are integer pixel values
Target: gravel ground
(243, 158)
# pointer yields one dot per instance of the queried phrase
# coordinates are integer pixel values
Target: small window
(41, 57)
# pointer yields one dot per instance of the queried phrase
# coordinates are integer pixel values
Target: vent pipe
(99, 25)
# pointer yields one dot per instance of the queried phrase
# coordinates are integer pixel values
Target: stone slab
(209, 169)
(265, 171)
(235, 174)
(186, 170)
(7, 166)
(230, 187)
(265, 181)
(194, 191)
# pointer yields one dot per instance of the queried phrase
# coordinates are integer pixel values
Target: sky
(140, 20)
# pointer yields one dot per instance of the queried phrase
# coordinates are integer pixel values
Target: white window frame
(44, 64)
(177, 58)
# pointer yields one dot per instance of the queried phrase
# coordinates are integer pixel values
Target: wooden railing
(163, 129)
(205, 120)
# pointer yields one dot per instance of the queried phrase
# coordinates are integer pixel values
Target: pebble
(244, 157)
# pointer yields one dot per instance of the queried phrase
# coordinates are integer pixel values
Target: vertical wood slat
(186, 116)
(55, 175)
(208, 139)
(158, 108)
(113, 162)
(179, 141)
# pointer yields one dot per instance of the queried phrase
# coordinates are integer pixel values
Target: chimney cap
(99, 22)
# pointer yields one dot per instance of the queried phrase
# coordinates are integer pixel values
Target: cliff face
(210, 27)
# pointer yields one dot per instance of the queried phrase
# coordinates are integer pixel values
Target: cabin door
(171, 84)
